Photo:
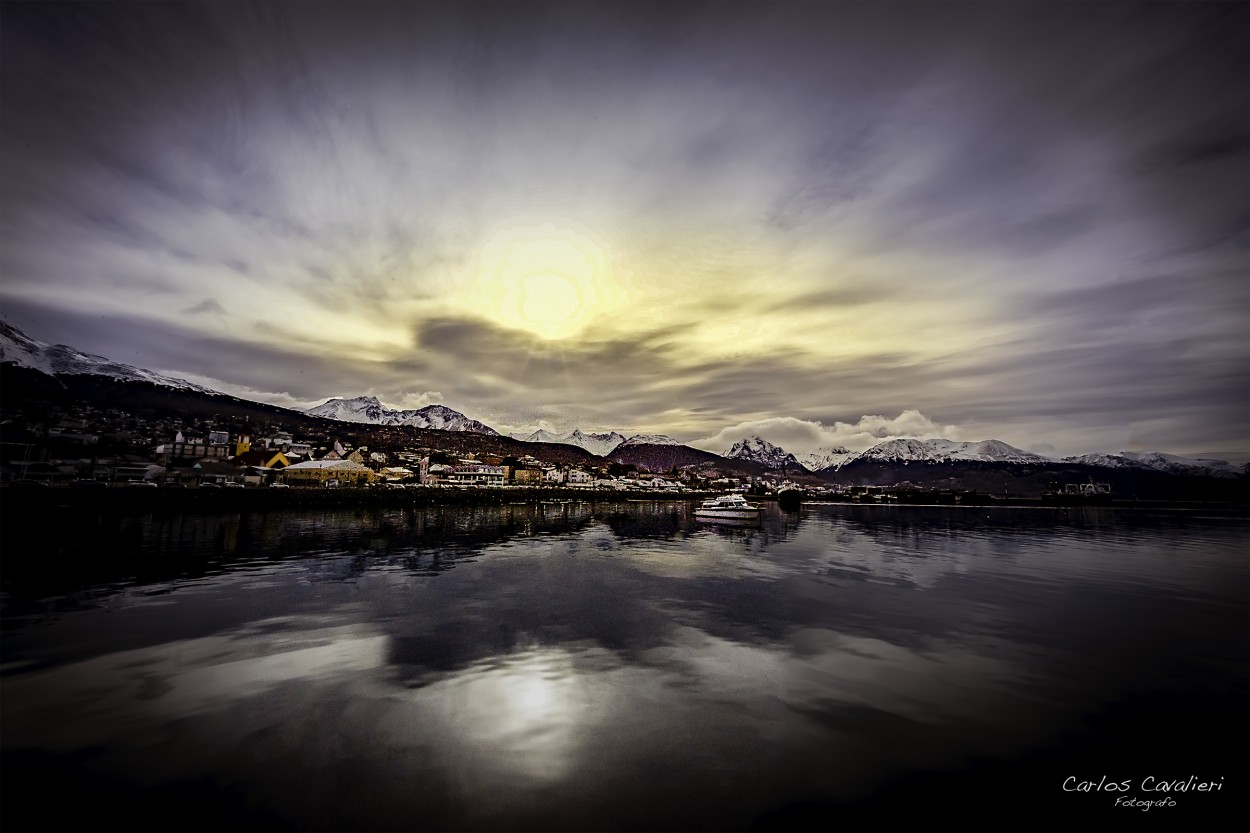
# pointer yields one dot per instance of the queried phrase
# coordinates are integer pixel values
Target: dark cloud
(208, 305)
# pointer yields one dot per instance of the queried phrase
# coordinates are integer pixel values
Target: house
(554, 476)
(437, 473)
(266, 458)
(213, 471)
(279, 439)
(257, 475)
(191, 444)
(577, 477)
(130, 472)
(529, 475)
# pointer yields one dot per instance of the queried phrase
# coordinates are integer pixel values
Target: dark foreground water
(625, 667)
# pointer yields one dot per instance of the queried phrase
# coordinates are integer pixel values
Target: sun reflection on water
(526, 711)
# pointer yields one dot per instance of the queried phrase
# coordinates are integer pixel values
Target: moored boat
(734, 508)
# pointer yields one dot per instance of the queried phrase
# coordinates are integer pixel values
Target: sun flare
(547, 281)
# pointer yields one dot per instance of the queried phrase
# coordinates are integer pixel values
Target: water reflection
(614, 666)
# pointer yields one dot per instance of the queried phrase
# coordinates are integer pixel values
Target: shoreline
(120, 498)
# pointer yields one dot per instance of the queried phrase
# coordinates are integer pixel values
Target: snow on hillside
(60, 360)
(368, 409)
(1158, 461)
(760, 450)
(1107, 461)
(1188, 465)
(942, 451)
(649, 439)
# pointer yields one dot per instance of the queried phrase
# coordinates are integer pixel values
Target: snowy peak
(442, 418)
(59, 360)
(367, 409)
(358, 409)
(759, 450)
(543, 436)
(598, 444)
(823, 458)
(18, 348)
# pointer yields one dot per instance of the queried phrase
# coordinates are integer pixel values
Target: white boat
(729, 508)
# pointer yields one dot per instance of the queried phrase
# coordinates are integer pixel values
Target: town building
(477, 474)
(321, 472)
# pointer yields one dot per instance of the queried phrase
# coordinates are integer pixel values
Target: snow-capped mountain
(648, 439)
(597, 444)
(1158, 461)
(59, 360)
(368, 409)
(823, 458)
(945, 451)
(1187, 465)
(759, 450)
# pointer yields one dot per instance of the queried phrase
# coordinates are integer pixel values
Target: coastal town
(88, 446)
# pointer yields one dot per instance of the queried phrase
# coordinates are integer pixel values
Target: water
(624, 667)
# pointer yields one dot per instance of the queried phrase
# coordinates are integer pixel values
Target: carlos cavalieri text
(1149, 784)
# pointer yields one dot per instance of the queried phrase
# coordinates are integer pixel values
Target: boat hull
(732, 523)
(729, 515)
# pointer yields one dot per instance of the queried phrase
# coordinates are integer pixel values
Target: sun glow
(547, 281)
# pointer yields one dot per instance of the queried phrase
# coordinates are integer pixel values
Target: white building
(477, 474)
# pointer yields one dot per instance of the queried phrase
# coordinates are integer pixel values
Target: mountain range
(899, 458)
(368, 409)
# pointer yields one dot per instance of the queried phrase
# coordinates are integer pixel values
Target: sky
(822, 223)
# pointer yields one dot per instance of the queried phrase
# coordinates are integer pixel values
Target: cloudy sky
(821, 222)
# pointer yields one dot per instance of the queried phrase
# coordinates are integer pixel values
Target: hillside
(34, 392)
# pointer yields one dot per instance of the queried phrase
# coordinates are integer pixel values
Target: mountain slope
(650, 439)
(59, 360)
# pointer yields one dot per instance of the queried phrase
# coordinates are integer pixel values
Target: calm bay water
(578, 666)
